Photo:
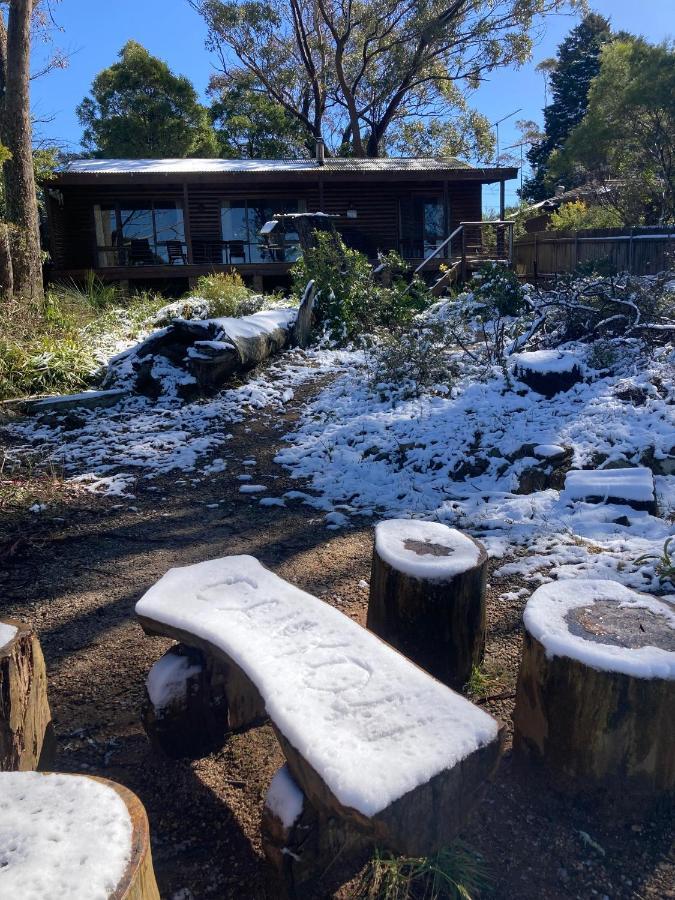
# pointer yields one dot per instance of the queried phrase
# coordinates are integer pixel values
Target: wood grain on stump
(27, 739)
(138, 881)
(427, 596)
(596, 690)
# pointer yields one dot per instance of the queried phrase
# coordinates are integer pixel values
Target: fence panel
(640, 250)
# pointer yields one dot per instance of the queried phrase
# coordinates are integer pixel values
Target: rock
(632, 486)
(66, 402)
(548, 372)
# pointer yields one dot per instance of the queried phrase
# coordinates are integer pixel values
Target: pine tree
(139, 108)
(577, 63)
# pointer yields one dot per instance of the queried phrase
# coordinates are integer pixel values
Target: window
(241, 221)
(151, 233)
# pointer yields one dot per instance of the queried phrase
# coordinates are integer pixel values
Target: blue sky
(95, 32)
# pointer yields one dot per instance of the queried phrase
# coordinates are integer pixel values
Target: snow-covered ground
(110, 449)
(458, 458)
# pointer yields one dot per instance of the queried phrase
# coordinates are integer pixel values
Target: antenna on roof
(496, 125)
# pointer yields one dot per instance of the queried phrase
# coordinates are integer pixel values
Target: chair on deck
(140, 253)
(176, 253)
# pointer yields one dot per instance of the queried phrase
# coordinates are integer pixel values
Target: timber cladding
(373, 205)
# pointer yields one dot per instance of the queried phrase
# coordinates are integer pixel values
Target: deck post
(447, 253)
(186, 223)
(502, 200)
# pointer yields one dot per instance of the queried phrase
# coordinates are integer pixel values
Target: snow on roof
(61, 836)
(546, 619)
(372, 724)
(7, 632)
(244, 166)
(425, 549)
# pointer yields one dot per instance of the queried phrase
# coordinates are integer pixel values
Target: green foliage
(665, 563)
(628, 132)
(498, 290)
(454, 873)
(139, 108)
(250, 124)
(349, 300)
(578, 215)
(570, 75)
(50, 361)
(411, 358)
(224, 291)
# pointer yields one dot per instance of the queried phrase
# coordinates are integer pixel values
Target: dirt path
(77, 581)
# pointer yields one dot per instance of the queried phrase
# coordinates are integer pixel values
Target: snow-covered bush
(223, 291)
(498, 290)
(412, 358)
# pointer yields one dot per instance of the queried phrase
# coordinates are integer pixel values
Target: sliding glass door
(423, 226)
(241, 221)
(150, 233)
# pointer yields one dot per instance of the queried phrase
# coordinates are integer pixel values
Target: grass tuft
(454, 873)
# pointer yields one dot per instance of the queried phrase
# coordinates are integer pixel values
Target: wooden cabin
(172, 220)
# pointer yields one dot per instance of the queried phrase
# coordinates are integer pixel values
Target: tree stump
(548, 372)
(302, 844)
(26, 732)
(427, 596)
(596, 690)
(194, 701)
(102, 843)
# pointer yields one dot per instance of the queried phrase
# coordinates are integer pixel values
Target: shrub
(349, 299)
(498, 290)
(224, 291)
(412, 357)
(578, 215)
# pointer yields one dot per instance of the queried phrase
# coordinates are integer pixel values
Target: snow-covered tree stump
(26, 731)
(596, 689)
(427, 596)
(194, 701)
(73, 836)
(547, 372)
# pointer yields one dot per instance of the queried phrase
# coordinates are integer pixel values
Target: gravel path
(77, 581)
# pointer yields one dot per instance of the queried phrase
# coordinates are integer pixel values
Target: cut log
(102, 842)
(194, 701)
(627, 487)
(427, 596)
(596, 690)
(26, 732)
(300, 844)
(548, 372)
(368, 736)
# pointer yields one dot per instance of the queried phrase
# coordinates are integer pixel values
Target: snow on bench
(72, 836)
(632, 487)
(367, 734)
(596, 689)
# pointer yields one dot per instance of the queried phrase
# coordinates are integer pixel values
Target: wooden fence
(639, 250)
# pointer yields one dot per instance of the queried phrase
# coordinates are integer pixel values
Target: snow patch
(7, 633)
(635, 484)
(426, 550)
(284, 798)
(167, 679)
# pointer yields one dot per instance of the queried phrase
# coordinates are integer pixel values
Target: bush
(498, 290)
(578, 215)
(412, 357)
(349, 299)
(224, 291)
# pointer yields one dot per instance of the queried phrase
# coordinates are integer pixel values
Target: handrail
(438, 249)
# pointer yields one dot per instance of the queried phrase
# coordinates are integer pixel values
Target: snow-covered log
(630, 487)
(207, 352)
(73, 836)
(596, 689)
(548, 372)
(368, 736)
(194, 700)
(427, 596)
(26, 731)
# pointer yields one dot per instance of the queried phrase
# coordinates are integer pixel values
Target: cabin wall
(377, 225)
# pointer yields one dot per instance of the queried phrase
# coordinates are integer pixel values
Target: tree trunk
(595, 727)
(20, 191)
(26, 731)
(6, 272)
(439, 623)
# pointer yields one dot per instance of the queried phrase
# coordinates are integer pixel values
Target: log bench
(370, 738)
(73, 836)
(26, 732)
(595, 699)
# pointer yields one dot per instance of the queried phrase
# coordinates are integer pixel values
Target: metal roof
(332, 165)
